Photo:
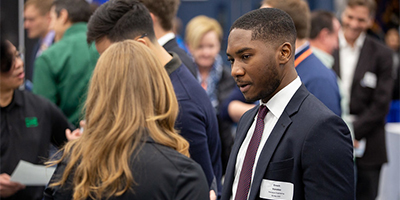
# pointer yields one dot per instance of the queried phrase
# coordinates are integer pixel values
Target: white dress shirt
(276, 105)
(348, 60)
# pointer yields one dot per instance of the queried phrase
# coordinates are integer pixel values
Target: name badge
(369, 80)
(276, 190)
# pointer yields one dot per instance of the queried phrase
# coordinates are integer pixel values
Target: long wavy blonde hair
(130, 97)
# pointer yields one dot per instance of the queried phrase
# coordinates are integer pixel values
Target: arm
(192, 184)
(191, 124)
(59, 125)
(44, 80)
(327, 161)
(237, 108)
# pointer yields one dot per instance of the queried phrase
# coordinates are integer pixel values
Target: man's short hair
(78, 10)
(269, 25)
(164, 10)
(298, 10)
(119, 20)
(43, 6)
(370, 4)
(321, 19)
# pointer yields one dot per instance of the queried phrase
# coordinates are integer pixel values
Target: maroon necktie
(247, 168)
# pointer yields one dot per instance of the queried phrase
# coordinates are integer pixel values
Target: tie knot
(262, 112)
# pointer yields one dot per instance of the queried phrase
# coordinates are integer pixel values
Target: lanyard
(302, 57)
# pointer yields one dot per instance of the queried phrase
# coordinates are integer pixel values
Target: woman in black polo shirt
(29, 124)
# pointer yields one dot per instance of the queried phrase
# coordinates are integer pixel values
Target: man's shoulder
(185, 84)
(377, 47)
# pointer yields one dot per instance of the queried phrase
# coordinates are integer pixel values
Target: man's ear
(284, 53)
(153, 17)
(143, 41)
(64, 16)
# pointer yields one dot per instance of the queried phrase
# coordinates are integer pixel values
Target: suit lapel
(274, 138)
(241, 133)
(362, 63)
(336, 65)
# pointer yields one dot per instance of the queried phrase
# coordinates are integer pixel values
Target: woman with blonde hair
(203, 38)
(130, 149)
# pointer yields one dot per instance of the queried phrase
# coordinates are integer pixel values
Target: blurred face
(392, 40)
(36, 24)
(332, 40)
(355, 20)
(209, 47)
(15, 77)
(254, 65)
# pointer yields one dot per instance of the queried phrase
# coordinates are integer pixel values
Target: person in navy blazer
(305, 150)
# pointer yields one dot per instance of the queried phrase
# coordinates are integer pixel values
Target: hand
(76, 133)
(356, 144)
(7, 187)
(213, 196)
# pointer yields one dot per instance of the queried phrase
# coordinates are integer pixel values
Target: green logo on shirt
(31, 122)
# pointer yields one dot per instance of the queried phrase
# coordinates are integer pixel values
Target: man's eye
(245, 57)
(230, 60)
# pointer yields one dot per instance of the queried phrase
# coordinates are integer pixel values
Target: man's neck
(318, 45)
(300, 42)
(44, 35)
(161, 54)
(159, 31)
(6, 97)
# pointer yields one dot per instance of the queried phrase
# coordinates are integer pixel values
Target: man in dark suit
(365, 67)
(118, 20)
(163, 13)
(295, 147)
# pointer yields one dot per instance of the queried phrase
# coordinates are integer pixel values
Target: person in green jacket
(63, 71)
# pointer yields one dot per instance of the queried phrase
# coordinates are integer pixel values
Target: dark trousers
(367, 183)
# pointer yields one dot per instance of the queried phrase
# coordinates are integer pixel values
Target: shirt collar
(326, 58)
(302, 47)
(49, 38)
(358, 44)
(277, 104)
(167, 37)
(173, 64)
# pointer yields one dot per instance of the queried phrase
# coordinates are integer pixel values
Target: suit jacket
(370, 104)
(319, 80)
(197, 122)
(173, 46)
(159, 172)
(309, 147)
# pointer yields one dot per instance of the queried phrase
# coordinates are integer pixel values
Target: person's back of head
(272, 27)
(6, 56)
(321, 19)
(298, 10)
(164, 10)
(198, 27)
(119, 20)
(37, 17)
(78, 10)
(129, 99)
